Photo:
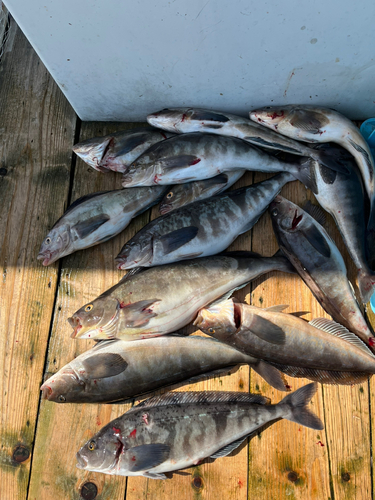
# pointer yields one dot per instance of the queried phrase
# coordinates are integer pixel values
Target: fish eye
(170, 195)
(211, 330)
(91, 445)
(89, 307)
(274, 212)
(47, 241)
(62, 399)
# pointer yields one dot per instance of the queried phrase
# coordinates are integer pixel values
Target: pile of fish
(179, 272)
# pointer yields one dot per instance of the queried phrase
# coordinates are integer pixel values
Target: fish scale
(177, 430)
(202, 228)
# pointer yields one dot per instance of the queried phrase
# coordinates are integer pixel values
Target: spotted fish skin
(118, 370)
(96, 218)
(202, 228)
(160, 300)
(284, 339)
(319, 263)
(194, 156)
(183, 194)
(178, 430)
(186, 120)
(118, 150)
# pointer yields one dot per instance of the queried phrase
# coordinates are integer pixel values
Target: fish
(180, 429)
(117, 371)
(342, 196)
(195, 156)
(118, 150)
(149, 302)
(186, 120)
(318, 124)
(95, 218)
(321, 350)
(183, 194)
(202, 228)
(319, 263)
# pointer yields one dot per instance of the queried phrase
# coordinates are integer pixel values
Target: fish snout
(47, 391)
(45, 256)
(82, 461)
(75, 323)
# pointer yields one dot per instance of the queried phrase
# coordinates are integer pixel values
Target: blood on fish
(122, 304)
(133, 459)
(157, 179)
(133, 433)
(296, 220)
(371, 341)
(145, 418)
(117, 431)
(163, 135)
(194, 162)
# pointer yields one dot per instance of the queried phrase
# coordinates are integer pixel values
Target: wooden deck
(39, 178)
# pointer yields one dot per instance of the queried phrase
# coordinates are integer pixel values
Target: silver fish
(185, 120)
(96, 218)
(202, 228)
(320, 350)
(319, 263)
(118, 150)
(160, 300)
(183, 194)
(179, 429)
(117, 370)
(318, 124)
(195, 156)
(342, 196)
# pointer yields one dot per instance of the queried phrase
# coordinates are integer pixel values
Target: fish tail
(330, 158)
(297, 410)
(366, 284)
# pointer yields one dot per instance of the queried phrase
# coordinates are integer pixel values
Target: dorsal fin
(315, 211)
(298, 314)
(79, 201)
(175, 398)
(279, 308)
(329, 326)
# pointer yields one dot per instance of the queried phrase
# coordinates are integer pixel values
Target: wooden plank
(224, 478)
(291, 461)
(84, 275)
(37, 129)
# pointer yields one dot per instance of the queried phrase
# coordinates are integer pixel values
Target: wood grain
(37, 129)
(84, 275)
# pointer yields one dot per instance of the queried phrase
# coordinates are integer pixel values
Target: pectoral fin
(104, 365)
(317, 240)
(271, 375)
(308, 121)
(176, 239)
(202, 115)
(146, 456)
(266, 330)
(178, 162)
(139, 313)
(88, 226)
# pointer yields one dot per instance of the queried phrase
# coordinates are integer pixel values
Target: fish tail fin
(303, 169)
(297, 410)
(282, 263)
(331, 158)
(366, 284)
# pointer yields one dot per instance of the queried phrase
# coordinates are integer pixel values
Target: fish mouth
(47, 391)
(75, 323)
(82, 462)
(47, 257)
(93, 151)
(164, 209)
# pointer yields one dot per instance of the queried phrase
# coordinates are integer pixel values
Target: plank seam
(72, 172)
(331, 488)
(371, 456)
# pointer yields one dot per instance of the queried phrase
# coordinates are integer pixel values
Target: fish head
(102, 452)
(286, 216)
(63, 387)
(135, 254)
(177, 197)
(92, 151)
(169, 118)
(220, 320)
(97, 319)
(55, 245)
(141, 173)
(298, 122)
